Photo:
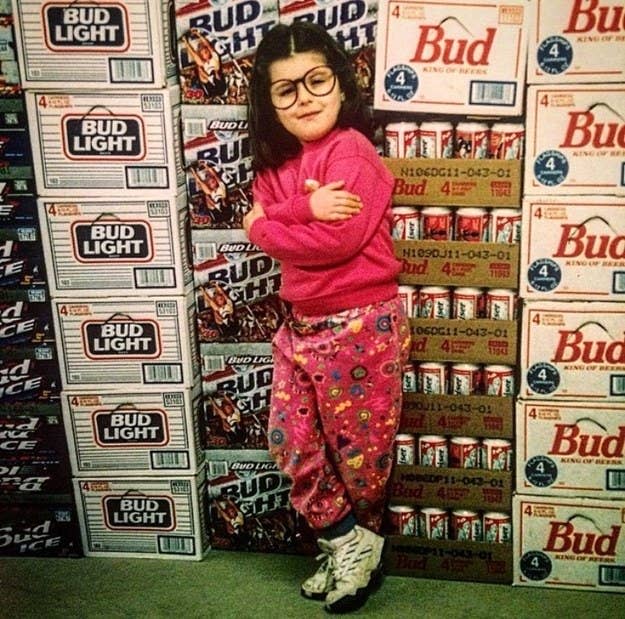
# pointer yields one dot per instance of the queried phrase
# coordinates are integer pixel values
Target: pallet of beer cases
(248, 505)
(216, 44)
(102, 47)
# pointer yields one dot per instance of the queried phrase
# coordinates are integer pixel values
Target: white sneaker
(322, 581)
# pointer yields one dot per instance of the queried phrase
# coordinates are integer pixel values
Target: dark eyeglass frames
(318, 81)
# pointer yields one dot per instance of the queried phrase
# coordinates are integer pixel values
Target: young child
(322, 209)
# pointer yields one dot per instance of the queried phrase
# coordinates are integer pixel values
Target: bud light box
(447, 57)
(570, 449)
(575, 140)
(569, 543)
(124, 144)
(127, 247)
(218, 164)
(100, 45)
(572, 351)
(353, 23)
(236, 387)
(120, 343)
(573, 248)
(146, 433)
(217, 42)
(577, 41)
(151, 518)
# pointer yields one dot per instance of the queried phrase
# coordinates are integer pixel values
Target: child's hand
(331, 202)
(256, 212)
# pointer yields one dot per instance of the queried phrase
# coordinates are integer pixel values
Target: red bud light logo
(130, 428)
(139, 513)
(119, 338)
(114, 241)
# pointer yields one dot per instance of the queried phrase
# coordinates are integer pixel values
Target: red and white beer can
(409, 296)
(437, 223)
(402, 520)
(466, 525)
(401, 139)
(497, 527)
(500, 304)
(405, 445)
(472, 140)
(464, 452)
(465, 379)
(433, 523)
(499, 380)
(471, 225)
(436, 140)
(467, 303)
(496, 454)
(409, 378)
(434, 302)
(433, 451)
(507, 141)
(432, 378)
(406, 223)
(504, 225)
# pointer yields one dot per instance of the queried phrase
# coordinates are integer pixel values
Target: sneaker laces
(349, 562)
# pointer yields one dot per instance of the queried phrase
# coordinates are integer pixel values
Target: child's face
(311, 117)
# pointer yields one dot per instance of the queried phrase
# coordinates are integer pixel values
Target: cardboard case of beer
(121, 343)
(575, 140)
(570, 449)
(85, 144)
(573, 248)
(445, 57)
(126, 247)
(153, 518)
(25, 316)
(150, 432)
(572, 351)
(569, 543)
(577, 41)
(104, 45)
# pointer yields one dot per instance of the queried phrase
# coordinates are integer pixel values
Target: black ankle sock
(343, 526)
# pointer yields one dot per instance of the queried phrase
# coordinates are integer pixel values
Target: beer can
(432, 378)
(437, 223)
(405, 449)
(504, 225)
(466, 525)
(507, 141)
(402, 520)
(434, 302)
(409, 296)
(436, 140)
(496, 454)
(500, 304)
(471, 225)
(497, 527)
(464, 452)
(433, 523)
(432, 451)
(499, 380)
(467, 303)
(406, 223)
(409, 378)
(465, 379)
(472, 140)
(401, 139)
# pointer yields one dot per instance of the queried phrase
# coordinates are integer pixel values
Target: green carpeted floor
(259, 586)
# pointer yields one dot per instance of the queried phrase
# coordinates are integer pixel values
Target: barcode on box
(170, 373)
(612, 575)
(170, 460)
(617, 384)
(217, 468)
(204, 251)
(194, 128)
(176, 545)
(615, 479)
(213, 363)
(155, 278)
(150, 178)
(131, 71)
(618, 282)
(493, 93)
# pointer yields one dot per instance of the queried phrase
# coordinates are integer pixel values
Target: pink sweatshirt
(329, 266)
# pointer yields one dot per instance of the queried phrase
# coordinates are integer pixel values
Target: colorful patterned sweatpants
(335, 409)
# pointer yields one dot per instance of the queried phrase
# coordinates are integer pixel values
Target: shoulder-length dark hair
(271, 144)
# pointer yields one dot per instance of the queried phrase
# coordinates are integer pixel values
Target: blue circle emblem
(544, 275)
(551, 168)
(554, 55)
(401, 82)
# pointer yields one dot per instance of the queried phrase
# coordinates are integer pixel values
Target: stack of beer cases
(570, 503)
(450, 81)
(37, 512)
(103, 107)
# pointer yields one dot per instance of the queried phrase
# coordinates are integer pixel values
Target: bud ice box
(573, 351)
(152, 518)
(124, 144)
(575, 140)
(108, 45)
(126, 247)
(573, 248)
(121, 343)
(577, 41)
(25, 316)
(145, 433)
(447, 57)
(568, 543)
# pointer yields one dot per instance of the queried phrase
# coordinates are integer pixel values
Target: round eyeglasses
(318, 81)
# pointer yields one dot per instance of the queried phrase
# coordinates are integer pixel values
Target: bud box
(22, 263)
